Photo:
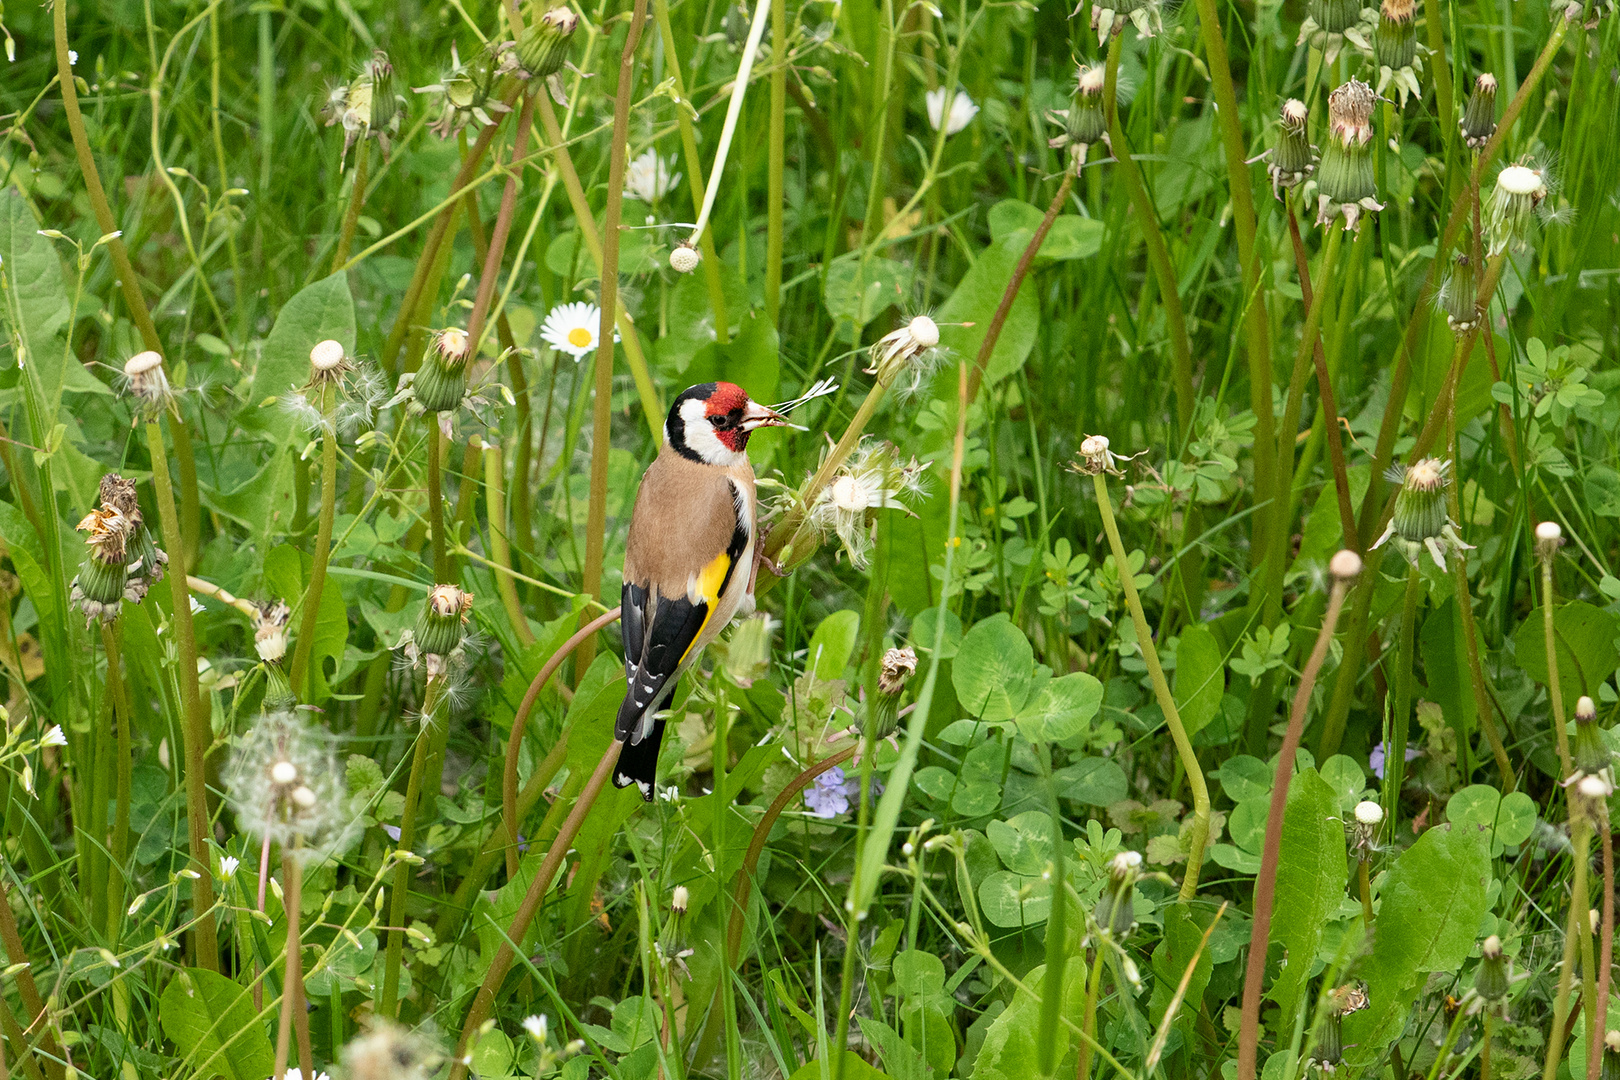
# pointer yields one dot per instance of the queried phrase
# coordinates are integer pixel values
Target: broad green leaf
(286, 574)
(925, 626)
(855, 1066)
(1092, 781)
(1170, 961)
(690, 322)
(900, 1059)
(1429, 914)
(1511, 818)
(993, 669)
(314, 314)
(1245, 777)
(833, 643)
(264, 503)
(1515, 819)
(1010, 1051)
(1200, 678)
(1345, 777)
(34, 304)
(919, 974)
(1062, 708)
(1023, 843)
(974, 302)
(1311, 873)
(1009, 900)
(1247, 824)
(862, 293)
(1584, 637)
(1602, 484)
(212, 1021)
(1446, 666)
(1071, 236)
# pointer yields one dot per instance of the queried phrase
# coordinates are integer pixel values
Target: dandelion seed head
(285, 785)
(1369, 812)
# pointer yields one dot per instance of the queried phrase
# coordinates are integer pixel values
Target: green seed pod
(1591, 752)
(1086, 122)
(1334, 16)
(440, 626)
(1491, 977)
(1346, 181)
(1420, 505)
(384, 102)
(1395, 44)
(1292, 158)
(439, 387)
(1115, 910)
(545, 45)
(1478, 121)
(98, 591)
(1459, 296)
(102, 582)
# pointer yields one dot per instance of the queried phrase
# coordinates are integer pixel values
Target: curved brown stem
(1265, 885)
(484, 1002)
(762, 832)
(520, 720)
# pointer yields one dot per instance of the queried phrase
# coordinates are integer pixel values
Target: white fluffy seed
(283, 772)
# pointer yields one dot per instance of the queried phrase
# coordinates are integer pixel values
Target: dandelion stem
(520, 722)
(1164, 271)
(694, 174)
(1265, 885)
(435, 452)
(1597, 1034)
(357, 198)
(111, 642)
(195, 729)
(774, 195)
(499, 547)
(1555, 689)
(490, 276)
(388, 1006)
(302, 681)
(484, 1001)
(1161, 691)
(292, 987)
(1400, 716)
(1576, 926)
(739, 86)
(27, 990)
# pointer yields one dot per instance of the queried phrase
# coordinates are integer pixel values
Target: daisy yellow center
(579, 337)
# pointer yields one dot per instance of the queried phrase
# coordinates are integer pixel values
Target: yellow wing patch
(704, 588)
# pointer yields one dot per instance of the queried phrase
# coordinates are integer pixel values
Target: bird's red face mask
(733, 416)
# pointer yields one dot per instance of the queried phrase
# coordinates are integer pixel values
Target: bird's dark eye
(721, 423)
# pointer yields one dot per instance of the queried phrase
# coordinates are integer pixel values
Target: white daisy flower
(963, 110)
(649, 178)
(572, 328)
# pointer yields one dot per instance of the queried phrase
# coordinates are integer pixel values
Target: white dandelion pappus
(649, 177)
(963, 110)
(573, 328)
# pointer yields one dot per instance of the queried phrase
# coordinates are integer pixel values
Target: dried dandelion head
(873, 479)
(98, 590)
(1459, 295)
(270, 630)
(905, 358)
(1395, 49)
(1516, 205)
(388, 1052)
(440, 630)
(1084, 121)
(545, 45)
(1110, 17)
(368, 107)
(1478, 121)
(145, 381)
(467, 92)
(1346, 182)
(1293, 158)
(285, 785)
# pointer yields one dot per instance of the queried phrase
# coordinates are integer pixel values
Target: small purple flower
(827, 797)
(1376, 758)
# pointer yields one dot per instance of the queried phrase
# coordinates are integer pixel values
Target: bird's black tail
(638, 762)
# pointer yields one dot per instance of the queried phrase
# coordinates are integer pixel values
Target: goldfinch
(689, 559)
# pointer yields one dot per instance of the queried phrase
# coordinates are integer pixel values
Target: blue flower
(828, 796)
(1376, 759)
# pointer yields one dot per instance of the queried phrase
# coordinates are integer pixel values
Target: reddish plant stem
(520, 721)
(490, 276)
(1265, 885)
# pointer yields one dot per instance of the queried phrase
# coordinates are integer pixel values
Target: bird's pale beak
(758, 416)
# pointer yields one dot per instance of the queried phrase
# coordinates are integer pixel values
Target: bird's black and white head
(711, 422)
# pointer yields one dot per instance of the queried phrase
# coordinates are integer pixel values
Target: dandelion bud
(545, 45)
(1491, 977)
(685, 258)
(1084, 121)
(1478, 121)
(441, 381)
(883, 709)
(1420, 521)
(1520, 190)
(1345, 565)
(1549, 538)
(1459, 295)
(1115, 910)
(1334, 16)
(440, 626)
(145, 381)
(1293, 158)
(1346, 183)
(679, 900)
(384, 102)
(1396, 43)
